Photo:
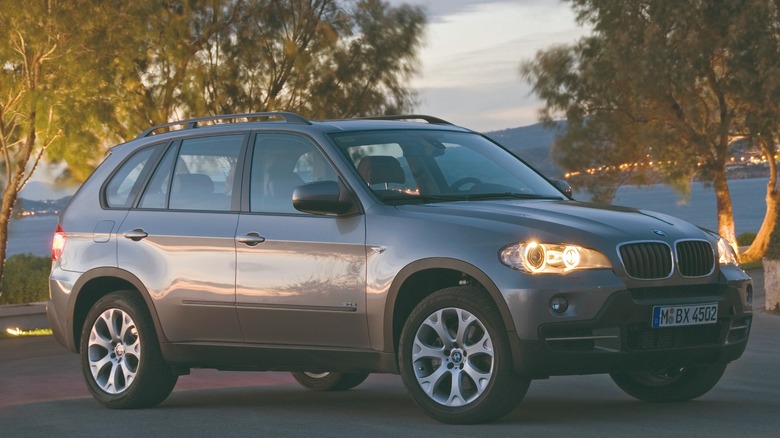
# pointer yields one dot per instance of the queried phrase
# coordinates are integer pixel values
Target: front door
(300, 278)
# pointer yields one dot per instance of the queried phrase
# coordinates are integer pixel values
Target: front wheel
(120, 354)
(455, 360)
(328, 381)
(672, 385)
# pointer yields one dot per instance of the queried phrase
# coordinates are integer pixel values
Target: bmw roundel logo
(659, 233)
(457, 357)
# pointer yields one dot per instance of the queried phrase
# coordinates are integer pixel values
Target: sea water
(33, 234)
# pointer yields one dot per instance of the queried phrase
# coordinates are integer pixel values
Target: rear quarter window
(122, 188)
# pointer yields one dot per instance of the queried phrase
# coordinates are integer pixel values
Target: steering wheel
(458, 185)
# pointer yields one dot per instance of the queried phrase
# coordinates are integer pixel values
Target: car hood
(563, 220)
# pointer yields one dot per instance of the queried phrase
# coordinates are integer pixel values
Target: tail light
(58, 243)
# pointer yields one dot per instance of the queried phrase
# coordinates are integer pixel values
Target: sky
(470, 64)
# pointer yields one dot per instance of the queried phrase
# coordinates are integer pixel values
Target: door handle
(136, 234)
(250, 239)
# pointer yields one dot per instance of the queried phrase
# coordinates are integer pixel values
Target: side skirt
(252, 357)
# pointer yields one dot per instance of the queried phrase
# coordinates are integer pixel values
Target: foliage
(668, 82)
(745, 239)
(177, 59)
(38, 44)
(756, 264)
(26, 279)
(77, 75)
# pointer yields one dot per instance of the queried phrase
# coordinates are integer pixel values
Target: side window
(156, 193)
(197, 176)
(280, 163)
(123, 187)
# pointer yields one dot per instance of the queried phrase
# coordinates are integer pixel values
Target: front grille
(647, 260)
(642, 337)
(695, 258)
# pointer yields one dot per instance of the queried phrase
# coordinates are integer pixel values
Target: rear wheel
(672, 385)
(328, 381)
(455, 360)
(120, 354)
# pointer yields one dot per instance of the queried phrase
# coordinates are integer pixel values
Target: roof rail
(430, 119)
(285, 117)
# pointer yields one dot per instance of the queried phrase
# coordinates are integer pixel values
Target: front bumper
(620, 337)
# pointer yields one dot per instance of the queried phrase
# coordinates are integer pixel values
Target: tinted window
(199, 175)
(121, 190)
(280, 163)
(425, 166)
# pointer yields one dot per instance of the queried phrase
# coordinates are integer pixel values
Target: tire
(455, 360)
(328, 381)
(120, 354)
(672, 385)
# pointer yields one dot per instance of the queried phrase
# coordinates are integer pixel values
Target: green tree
(667, 82)
(78, 76)
(175, 59)
(320, 58)
(33, 86)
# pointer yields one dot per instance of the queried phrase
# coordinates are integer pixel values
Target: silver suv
(339, 248)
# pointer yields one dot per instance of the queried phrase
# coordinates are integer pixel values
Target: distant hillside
(531, 143)
(42, 191)
(26, 207)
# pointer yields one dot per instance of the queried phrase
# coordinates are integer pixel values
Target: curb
(22, 309)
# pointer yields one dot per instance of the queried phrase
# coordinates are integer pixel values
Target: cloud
(490, 107)
(470, 64)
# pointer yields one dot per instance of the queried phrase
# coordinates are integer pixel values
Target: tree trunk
(760, 245)
(6, 211)
(725, 211)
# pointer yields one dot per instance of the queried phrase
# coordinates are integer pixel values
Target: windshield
(429, 166)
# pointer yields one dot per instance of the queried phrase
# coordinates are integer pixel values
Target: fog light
(559, 304)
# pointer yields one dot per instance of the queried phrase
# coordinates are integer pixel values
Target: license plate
(671, 316)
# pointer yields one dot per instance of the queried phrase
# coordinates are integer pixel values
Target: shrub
(26, 279)
(745, 239)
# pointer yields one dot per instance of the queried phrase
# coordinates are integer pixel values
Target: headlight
(537, 258)
(726, 254)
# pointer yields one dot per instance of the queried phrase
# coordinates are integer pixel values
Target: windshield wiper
(423, 198)
(509, 195)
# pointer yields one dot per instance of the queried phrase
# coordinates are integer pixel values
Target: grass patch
(12, 333)
(755, 264)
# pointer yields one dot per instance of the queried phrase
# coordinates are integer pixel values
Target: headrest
(380, 169)
(193, 182)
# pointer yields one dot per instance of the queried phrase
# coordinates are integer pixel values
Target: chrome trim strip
(623, 263)
(296, 307)
(715, 256)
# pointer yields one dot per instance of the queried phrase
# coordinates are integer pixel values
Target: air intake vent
(647, 260)
(695, 258)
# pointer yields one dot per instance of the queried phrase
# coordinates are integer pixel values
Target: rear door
(179, 240)
(300, 277)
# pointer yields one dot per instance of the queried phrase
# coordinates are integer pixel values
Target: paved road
(42, 394)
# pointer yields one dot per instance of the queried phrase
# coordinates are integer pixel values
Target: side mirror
(563, 186)
(321, 197)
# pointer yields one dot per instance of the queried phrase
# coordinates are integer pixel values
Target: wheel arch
(97, 283)
(424, 277)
